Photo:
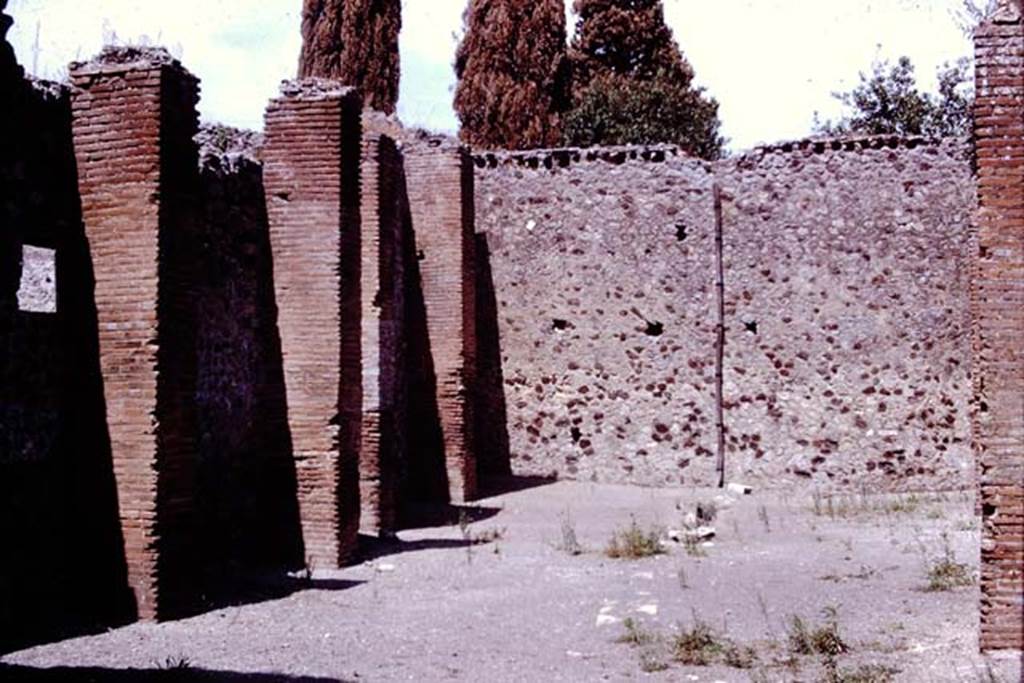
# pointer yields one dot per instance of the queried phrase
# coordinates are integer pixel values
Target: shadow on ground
(371, 548)
(497, 486)
(172, 673)
(429, 515)
(257, 589)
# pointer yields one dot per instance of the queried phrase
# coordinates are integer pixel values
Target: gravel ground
(516, 606)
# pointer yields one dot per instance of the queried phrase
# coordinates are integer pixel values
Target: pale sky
(770, 63)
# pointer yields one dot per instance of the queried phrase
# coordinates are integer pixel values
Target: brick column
(379, 417)
(440, 187)
(998, 301)
(311, 173)
(134, 120)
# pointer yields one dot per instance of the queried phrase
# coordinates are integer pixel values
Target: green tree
(632, 84)
(888, 102)
(355, 42)
(513, 73)
(623, 111)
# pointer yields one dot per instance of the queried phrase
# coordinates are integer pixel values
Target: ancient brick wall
(845, 310)
(63, 571)
(311, 173)
(246, 489)
(134, 122)
(439, 183)
(998, 349)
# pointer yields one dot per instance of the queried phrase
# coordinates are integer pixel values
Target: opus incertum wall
(998, 298)
(845, 306)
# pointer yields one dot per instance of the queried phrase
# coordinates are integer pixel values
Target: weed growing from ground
(946, 574)
(488, 536)
(633, 543)
(850, 506)
(867, 673)
(635, 635)
(684, 583)
(697, 646)
(176, 664)
(820, 639)
(569, 543)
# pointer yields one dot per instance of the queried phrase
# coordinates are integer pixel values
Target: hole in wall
(682, 232)
(576, 434)
(560, 324)
(750, 326)
(421, 255)
(654, 329)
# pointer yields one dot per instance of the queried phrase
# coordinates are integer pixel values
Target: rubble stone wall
(846, 312)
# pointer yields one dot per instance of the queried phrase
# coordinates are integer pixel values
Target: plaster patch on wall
(38, 290)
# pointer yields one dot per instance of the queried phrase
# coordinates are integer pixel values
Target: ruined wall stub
(998, 305)
(134, 120)
(311, 174)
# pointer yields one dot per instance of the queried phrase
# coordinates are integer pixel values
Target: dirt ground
(501, 597)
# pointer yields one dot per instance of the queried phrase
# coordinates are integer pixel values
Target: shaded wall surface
(63, 570)
(246, 475)
(846, 312)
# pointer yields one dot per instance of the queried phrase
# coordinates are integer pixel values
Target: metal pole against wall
(720, 337)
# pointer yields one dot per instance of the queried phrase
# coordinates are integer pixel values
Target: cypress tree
(355, 42)
(513, 73)
(627, 38)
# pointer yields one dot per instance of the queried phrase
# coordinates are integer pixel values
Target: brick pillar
(440, 188)
(998, 301)
(379, 415)
(134, 120)
(311, 173)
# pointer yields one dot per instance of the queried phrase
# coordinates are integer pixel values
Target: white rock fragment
(606, 620)
(741, 489)
(385, 568)
(701, 533)
(650, 610)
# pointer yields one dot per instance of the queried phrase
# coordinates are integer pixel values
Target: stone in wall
(847, 314)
